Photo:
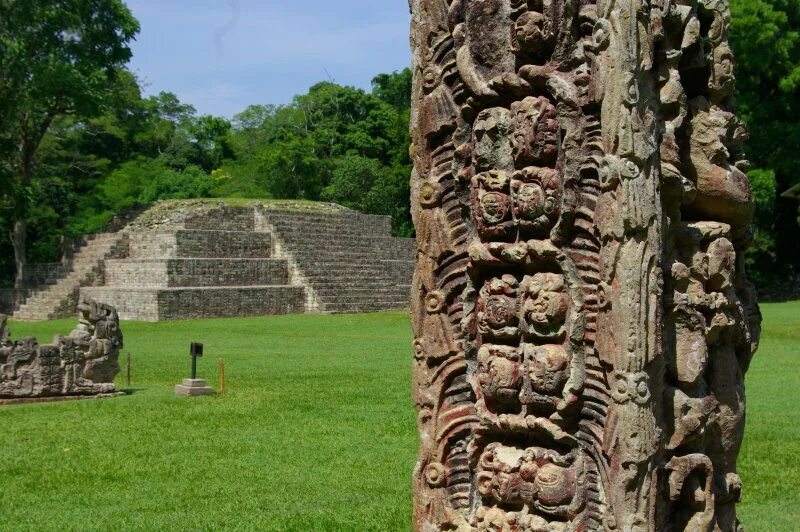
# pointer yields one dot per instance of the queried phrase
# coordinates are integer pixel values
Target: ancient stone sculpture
(582, 318)
(83, 363)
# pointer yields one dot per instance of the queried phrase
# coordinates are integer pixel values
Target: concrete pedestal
(192, 387)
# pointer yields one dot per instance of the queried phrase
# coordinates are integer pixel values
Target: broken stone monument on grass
(583, 320)
(81, 364)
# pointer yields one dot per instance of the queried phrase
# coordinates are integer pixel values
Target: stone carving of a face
(498, 373)
(530, 33)
(509, 475)
(721, 264)
(535, 138)
(497, 308)
(547, 367)
(491, 139)
(492, 204)
(544, 306)
(494, 207)
(536, 199)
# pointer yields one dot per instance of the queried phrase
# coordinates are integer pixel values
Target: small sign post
(196, 351)
(194, 386)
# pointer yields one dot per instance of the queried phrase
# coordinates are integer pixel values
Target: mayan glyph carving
(83, 363)
(582, 317)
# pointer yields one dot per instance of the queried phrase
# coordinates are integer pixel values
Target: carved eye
(642, 389)
(430, 78)
(434, 302)
(632, 91)
(435, 474)
(429, 194)
(601, 33)
(632, 170)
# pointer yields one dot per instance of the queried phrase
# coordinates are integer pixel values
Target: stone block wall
(222, 218)
(7, 298)
(400, 271)
(230, 302)
(139, 304)
(43, 274)
(202, 259)
(140, 273)
(160, 304)
(201, 244)
(53, 290)
(209, 263)
(349, 260)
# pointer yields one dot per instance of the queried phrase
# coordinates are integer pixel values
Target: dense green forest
(81, 146)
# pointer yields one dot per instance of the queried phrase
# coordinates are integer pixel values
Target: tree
(394, 88)
(334, 143)
(57, 58)
(765, 35)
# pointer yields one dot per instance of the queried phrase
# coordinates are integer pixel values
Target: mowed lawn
(316, 431)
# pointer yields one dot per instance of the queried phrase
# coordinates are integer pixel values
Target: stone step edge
(138, 233)
(196, 259)
(186, 288)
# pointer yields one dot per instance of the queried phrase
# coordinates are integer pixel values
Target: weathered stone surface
(8, 299)
(203, 259)
(54, 289)
(181, 243)
(196, 272)
(347, 261)
(193, 387)
(160, 304)
(582, 317)
(83, 363)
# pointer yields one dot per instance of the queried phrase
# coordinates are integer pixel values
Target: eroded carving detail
(83, 363)
(582, 316)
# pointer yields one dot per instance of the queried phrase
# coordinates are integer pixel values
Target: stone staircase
(209, 264)
(349, 260)
(57, 297)
(203, 259)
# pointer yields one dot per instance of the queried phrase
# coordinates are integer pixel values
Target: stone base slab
(193, 387)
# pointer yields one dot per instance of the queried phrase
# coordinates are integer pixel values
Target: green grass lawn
(316, 431)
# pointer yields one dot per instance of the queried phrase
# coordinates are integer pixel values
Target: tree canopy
(57, 58)
(334, 143)
(765, 35)
(97, 149)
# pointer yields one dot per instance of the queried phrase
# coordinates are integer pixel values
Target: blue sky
(223, 55)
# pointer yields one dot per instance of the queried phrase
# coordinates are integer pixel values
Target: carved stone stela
(83, 363)
(582, 318)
